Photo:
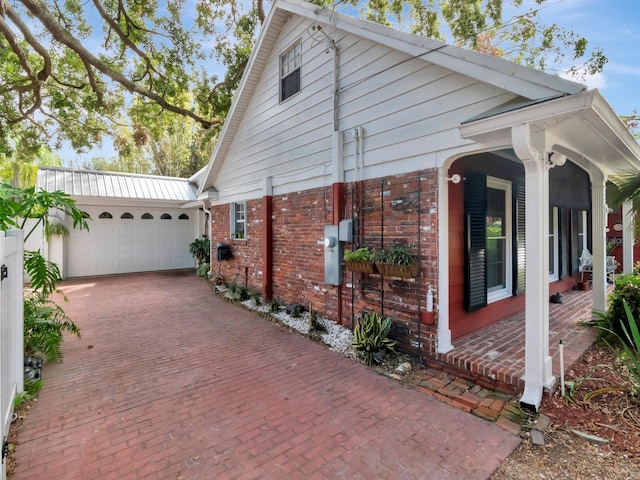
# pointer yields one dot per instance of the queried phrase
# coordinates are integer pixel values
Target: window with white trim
(498, 224)
(238, 217)
(290, 62)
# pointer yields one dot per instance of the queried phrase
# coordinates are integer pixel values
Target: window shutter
(564, 221)
(232, 219)
(519, 250)
(475, 206)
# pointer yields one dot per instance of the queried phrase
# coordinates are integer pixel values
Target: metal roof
(90, 183)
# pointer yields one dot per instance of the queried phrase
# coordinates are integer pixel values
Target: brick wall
(387, 211)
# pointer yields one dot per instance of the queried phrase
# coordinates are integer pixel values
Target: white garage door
(126, 240)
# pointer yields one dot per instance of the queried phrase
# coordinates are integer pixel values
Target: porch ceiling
(581, 126)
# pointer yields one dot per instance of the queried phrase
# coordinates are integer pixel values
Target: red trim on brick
(267, 247)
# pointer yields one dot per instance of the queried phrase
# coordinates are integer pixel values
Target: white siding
(410, 110)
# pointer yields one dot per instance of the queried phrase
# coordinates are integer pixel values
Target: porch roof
(583, 127)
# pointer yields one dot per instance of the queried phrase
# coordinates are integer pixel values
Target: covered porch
(495, 356)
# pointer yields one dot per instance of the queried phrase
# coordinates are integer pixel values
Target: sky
(613, 25)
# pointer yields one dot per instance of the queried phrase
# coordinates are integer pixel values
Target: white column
(598, 242)
(628, 236)
(444, 331)
(538, 373)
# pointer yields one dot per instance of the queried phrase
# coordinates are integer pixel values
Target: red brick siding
(400, 209)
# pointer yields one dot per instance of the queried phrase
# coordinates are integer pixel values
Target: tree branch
(40, 11)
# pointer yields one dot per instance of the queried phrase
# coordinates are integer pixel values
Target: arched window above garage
(127, 216)
(183, 216)
(165, 216)
(105, 215)
(147, 216)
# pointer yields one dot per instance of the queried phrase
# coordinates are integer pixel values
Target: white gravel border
(337, 337)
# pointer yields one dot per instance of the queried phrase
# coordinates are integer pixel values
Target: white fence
(11, 327)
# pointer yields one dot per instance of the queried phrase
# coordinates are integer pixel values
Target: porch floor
(495, 355)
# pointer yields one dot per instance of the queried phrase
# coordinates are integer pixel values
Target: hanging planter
(397, 262)
(360, 260)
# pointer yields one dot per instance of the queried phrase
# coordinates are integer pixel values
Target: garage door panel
(119, 245)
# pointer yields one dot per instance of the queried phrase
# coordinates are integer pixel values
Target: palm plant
(199, 248)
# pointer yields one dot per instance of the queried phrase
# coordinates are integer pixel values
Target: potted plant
(360, 260)
(199, 248)
(396, 261)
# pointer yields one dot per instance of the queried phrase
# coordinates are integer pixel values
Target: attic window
(105, 215)
(290, 63)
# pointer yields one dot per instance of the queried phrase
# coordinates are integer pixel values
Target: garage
(139, 223)
(126, 240)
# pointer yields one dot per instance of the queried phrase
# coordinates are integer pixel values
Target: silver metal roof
(90, 183)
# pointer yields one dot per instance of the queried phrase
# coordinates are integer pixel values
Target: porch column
(599, 239)
(537, 371)
(443, 344)
(628, 236)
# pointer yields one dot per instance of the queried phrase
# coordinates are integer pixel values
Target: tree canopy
(77, 71)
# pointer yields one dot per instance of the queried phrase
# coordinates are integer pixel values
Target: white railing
(11, 327)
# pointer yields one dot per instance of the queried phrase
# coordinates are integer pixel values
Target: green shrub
(44, 324)
(274, 305)
(628, 347)
(627, 289)
(203, 270)
(200, 249)
(257, 299)
(370, 337)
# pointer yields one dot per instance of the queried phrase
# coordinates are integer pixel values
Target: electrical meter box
(332, 255)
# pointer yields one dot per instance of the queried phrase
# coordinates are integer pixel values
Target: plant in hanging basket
(397, 262)
(360, 260)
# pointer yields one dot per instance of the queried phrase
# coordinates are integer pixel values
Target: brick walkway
(497, 351)
(171, 382)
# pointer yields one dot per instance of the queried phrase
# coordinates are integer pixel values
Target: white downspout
(444, 344)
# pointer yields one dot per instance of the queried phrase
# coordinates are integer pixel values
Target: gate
(11, 329)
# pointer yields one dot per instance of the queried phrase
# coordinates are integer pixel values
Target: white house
(345, 133)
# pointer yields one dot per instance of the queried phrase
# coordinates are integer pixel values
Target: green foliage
(200, 249)
(370, 337)
(31, 390)
(56, 229)
(44, 325)
(362, 254)
(274, 305)
(626, 290)
(398, 255)
(315, 325)
(203, 270)
(629, 347)
(257, 299)
(57, 89)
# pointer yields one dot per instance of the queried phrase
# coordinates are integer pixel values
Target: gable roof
(525, 82)
(115, 185)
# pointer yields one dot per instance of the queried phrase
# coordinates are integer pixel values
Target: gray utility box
(332, 255)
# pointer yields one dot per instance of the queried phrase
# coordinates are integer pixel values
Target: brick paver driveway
(170, 382)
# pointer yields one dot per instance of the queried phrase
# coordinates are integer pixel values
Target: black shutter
(519, 240)
(564, 222)
(475, 207)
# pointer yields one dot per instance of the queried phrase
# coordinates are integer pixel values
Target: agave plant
(370, 337)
